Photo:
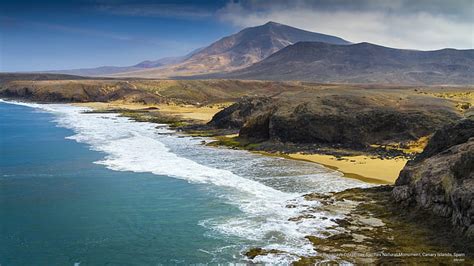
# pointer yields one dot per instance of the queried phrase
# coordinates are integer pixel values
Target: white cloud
(388, 25)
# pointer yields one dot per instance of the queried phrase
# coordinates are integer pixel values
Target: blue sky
(53, 34)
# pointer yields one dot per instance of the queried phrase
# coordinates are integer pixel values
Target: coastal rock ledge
(441, 178)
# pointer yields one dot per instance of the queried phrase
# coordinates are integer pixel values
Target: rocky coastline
(436, 185)
(441, 178)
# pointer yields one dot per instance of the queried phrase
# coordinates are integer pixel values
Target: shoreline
(366, 168)
(370, 169)
(187, 112)
(387, 223)
(361, 167)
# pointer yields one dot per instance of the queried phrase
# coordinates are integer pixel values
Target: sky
(54, 34)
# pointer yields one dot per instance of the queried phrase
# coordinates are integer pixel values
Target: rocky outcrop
(352, 121)
(309, 123)
(441, 179)
(238, 113)
(449, 136)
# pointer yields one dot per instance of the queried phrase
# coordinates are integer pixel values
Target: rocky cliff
(238, 113)
(336, 119)
(441, 179)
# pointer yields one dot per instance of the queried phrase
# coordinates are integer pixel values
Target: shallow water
(99, 188)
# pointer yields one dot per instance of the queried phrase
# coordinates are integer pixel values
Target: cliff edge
(441, 178)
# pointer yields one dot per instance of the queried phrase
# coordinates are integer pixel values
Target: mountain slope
(362, 63)
(108, 70)
(239, 50)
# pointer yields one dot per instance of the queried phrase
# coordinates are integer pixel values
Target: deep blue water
(59, 208)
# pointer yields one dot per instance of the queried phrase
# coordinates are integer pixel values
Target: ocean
(92, 189)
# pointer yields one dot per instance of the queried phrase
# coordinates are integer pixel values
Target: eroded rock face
(346, 120)
(238, 113)
(309, 124)
(441, 179)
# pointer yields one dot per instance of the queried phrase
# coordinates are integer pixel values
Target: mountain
(96, 71)
(108, 70)
(239, 50)
(361, 63)
(160, 62)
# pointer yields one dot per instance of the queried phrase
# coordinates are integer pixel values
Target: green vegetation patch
(154, 117)
(233, 142)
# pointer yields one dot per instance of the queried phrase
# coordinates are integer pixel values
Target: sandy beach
(201, 114)
(366, 168)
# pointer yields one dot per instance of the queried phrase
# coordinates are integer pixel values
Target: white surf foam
(140, 147)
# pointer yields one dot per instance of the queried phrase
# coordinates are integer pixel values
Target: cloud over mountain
(405, 24)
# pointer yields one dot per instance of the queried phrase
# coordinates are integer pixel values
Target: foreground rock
(375, 230)
(441, 179)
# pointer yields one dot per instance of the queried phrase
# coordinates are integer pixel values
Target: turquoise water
(57, 207)
(100, 189)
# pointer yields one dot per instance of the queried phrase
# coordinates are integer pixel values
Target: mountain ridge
(360, 63)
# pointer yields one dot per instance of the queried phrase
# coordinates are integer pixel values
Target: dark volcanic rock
(441, 179)
(237, 114)
(258, 127)
(448, 137)
(343, 120)
(311, 123)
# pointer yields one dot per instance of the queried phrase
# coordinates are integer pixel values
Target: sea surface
(93, 189)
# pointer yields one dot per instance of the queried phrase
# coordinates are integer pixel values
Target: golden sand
(204, 113)
(199, 113)
(365, 168)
